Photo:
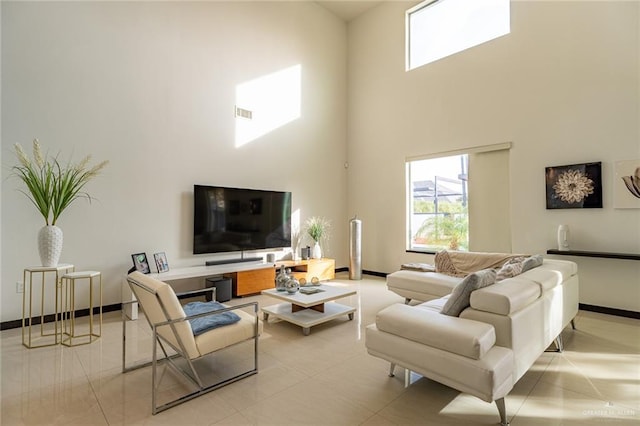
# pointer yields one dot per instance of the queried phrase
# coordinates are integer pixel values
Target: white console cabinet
(248, 278)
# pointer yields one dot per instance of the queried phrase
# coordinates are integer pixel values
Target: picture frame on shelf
(161, 262)
(575, 186)
(140, 262)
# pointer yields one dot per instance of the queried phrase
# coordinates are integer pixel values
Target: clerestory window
(436, 29)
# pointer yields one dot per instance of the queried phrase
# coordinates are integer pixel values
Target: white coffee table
(307, 310)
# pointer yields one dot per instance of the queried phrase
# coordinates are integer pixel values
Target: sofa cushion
(434, 305)
(545, 278)
(222, 337)
(507, 296)
(532, 262)
(564, 268)
(511, 268)
(468, 338)
(459, 299)
(518, 265)
(431, 283)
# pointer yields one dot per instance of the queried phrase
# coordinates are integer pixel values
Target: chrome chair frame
(157, 340)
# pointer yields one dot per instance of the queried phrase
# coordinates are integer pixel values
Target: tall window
(439, 28)
(459, 200)
(438, 204)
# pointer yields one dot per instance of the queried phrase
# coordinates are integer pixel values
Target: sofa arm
(465, 337)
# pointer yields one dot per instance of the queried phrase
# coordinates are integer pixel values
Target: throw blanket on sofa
(420, 267)
(463, 263)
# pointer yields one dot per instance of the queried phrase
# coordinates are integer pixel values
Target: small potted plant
(318, 229)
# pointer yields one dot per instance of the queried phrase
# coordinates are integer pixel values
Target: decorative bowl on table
(292, 285)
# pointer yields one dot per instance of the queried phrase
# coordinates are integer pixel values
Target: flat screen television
(239, 219)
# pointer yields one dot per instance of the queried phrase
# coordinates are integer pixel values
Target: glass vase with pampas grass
(52, 186)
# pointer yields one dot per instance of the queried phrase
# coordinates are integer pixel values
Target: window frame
(430, 4)
(409, 187)
(410, 200)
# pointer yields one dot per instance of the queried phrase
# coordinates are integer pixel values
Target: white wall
(563, 87)
(150, 86)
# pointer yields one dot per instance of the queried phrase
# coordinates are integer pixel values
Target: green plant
(422, 206)
(449, 229)
(52, 187)
(317, 228)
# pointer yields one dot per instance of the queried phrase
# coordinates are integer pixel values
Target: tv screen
(238, 219)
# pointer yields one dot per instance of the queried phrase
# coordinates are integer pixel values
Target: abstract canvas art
(576, 186)
(626, 185)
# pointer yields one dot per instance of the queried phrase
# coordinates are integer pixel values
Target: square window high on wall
(439, 28)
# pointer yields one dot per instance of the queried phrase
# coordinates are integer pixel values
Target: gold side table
(69, 313)
(28, 320)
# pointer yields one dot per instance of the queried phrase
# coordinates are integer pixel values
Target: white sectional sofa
(492, 343)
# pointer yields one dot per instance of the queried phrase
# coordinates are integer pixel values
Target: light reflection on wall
(296, 233)
(295, 221)
(274, 101)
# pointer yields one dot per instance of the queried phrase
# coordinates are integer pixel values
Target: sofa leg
(558, 343)
(407, 300)
(392, 368)
(503, 412)
(573, 323)
(407, 377)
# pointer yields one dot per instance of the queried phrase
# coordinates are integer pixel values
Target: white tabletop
(205, 271)
(59, 267)
(81, 274)
(329, 293)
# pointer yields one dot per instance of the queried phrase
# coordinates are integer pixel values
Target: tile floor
(326, 378)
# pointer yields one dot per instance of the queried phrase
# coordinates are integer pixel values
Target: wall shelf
(608, 255)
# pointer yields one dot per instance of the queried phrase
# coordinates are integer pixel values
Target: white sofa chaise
(426, 282)
(492, 343)
(419, 285)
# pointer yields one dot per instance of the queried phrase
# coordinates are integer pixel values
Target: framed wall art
(575, 186)
(626, 185)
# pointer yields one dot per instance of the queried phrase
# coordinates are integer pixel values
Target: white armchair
(171, 328)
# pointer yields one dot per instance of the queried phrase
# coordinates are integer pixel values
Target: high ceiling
(348, 9)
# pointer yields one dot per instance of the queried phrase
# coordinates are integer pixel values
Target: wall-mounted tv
(238, 219)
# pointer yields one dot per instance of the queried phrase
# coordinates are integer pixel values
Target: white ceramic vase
(317, 251)
(563, 237)
(50, 245)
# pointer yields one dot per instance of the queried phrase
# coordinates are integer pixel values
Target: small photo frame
(161, 262)
(576, 186)
(141, 263)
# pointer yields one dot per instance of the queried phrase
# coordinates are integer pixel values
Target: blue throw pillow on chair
(206, 323)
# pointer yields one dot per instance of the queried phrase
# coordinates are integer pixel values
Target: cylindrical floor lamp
(355, 249)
